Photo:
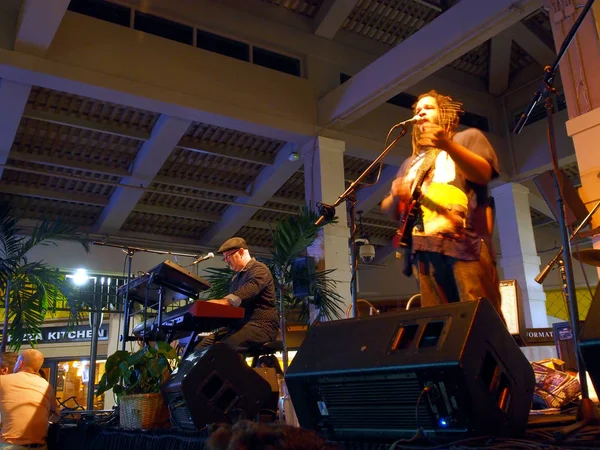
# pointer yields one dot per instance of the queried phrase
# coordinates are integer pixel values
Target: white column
(520, 260)
(324, 182)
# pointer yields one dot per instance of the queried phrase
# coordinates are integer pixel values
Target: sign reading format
(54, 335)
(539, 336)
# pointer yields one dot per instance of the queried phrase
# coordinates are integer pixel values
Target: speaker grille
(367, 403)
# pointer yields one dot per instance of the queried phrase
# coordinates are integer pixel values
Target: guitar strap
(425, 167)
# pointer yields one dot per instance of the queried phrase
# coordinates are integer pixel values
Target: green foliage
(141, 372)
(291, 238)
(34, 287)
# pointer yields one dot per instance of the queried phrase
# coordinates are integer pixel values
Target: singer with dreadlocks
(440, 198)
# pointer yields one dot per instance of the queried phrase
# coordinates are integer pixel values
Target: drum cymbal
(589, 256)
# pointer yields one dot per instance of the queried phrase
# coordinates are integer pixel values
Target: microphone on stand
(203, 258)
(406, 122)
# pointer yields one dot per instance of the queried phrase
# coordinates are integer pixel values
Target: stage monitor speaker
(302, 271)
(589, 340)
(453, 370)
(214, 385)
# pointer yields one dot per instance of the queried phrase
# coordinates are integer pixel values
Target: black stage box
(214, 385)
(453, 370)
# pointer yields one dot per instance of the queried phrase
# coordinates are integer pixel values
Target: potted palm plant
(31, 289)
(136, 379)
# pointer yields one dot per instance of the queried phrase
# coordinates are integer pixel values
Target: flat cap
(234, 243)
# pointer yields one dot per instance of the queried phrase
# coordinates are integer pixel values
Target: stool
(268, 348)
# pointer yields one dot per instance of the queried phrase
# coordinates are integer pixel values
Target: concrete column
(324, 182)
(520, 260)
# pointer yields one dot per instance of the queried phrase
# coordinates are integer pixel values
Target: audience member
(27, 403)
(7, 362)
(246, 435)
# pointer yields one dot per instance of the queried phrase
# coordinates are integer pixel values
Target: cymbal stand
(587, 411)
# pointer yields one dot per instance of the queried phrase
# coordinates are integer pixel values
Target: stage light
(80, 277)
(443, 423)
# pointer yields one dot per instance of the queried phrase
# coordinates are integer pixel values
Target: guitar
(413, 215)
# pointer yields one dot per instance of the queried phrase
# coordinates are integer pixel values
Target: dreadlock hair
(449, 112)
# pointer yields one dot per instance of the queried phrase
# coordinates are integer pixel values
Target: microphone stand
(586, 411)
(126, 303)
(327, 212)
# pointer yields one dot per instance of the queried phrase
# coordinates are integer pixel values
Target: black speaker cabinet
(589, 340)
(214, 385)
(453, 370)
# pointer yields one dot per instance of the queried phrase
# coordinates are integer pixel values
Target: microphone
(412, 120)
(203, 258)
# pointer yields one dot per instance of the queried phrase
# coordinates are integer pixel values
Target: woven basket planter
(143, 411)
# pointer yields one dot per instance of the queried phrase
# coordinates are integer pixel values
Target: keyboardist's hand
(220, 301)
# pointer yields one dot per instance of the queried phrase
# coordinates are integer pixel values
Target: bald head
(29, 360)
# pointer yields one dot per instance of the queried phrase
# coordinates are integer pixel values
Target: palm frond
(50, 231)
(220, 281)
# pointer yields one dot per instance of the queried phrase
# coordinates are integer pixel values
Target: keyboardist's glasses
(228, 255)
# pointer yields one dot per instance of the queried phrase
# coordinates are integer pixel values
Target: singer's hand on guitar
(433, 135)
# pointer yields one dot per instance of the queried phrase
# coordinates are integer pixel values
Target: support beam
(53, 195)
(267, 183)
(13, 98)
(533, 45)
(368, 198)
(463, 27)
(86, 124)
(500, 50)
(331, 16)
(166, 133)
(38, 22)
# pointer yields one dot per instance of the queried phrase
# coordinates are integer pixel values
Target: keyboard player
(253, 289)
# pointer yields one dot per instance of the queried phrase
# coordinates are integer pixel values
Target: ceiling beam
(13, 98)
(191, 144)
(533, 45)
(500, 50)
(165, 134)
(37, 25)
(85, 124)
(369, 197)
(331, 16)
(49, 194)
(267, 183)
(463, 27)
(68, 164)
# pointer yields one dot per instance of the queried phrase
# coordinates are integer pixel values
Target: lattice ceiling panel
(256, 237)
(519, 59)
(53, 181)
(383, 229)
(35, 137)
(305, 7)
(40, 209)
(293, 188)
(539, 24)
(187, 200)
(354, 167)
(165, 225)
(91, 109)
(189, 165)
(474, 62)
(388, 21)
(246, 144)
(272, 217)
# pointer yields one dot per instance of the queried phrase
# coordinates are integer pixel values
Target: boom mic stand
(126, 303)
(327, 212)
(586, 412)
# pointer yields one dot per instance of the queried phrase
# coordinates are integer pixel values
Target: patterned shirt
(453, 207)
